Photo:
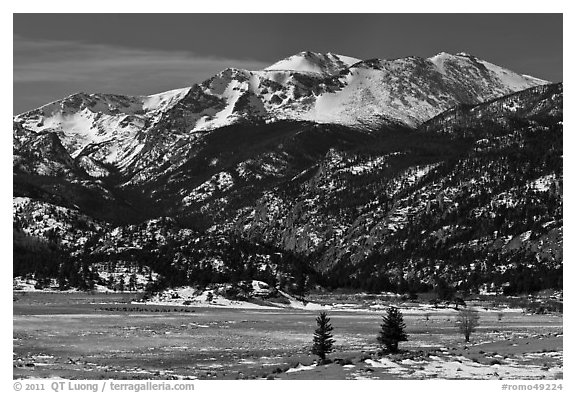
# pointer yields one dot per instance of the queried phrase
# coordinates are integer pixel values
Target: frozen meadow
(109, 336)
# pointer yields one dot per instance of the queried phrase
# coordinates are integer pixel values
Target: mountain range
(319, 170)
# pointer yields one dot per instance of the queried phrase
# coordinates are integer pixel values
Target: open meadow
(108, 336)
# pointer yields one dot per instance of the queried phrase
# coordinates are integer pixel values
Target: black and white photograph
(287, 196)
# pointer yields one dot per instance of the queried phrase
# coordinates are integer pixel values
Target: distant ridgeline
(403, 175)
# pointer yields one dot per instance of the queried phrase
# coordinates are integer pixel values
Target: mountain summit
(319, 63)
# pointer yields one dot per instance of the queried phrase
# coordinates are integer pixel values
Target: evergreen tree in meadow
(392, 330)
(323, 340)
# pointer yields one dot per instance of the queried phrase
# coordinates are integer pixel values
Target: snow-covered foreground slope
(259, 295)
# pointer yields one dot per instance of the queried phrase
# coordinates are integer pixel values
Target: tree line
(392, 331)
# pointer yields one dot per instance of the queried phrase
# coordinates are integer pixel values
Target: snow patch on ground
(301, 367)
(460, 367)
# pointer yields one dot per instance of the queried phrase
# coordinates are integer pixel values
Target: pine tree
(111, 283)
(62, 282)
(133, 282)
(323, 340)
(392, 329)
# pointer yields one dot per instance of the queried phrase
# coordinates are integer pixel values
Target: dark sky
(59, 54)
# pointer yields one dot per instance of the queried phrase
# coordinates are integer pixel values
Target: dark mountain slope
(472, 200)
(539, 104)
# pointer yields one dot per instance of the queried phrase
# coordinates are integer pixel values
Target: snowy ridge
(105, 126)
(135, 133)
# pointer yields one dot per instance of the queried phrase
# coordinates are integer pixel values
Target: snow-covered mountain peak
(161, 101)
(439, 59)
(348, 60)
(328, 63)
(316, 87)
(106, 126)
(233, 71)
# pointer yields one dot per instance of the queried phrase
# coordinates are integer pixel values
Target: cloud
(108, 68)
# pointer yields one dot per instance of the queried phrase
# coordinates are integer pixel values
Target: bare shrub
(467, 321)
